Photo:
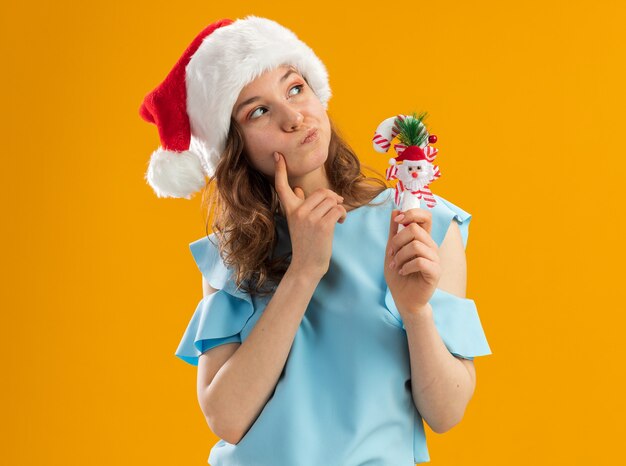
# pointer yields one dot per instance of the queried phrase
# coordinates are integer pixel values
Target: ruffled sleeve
(456, 318)
(443, 212)
(220, 316)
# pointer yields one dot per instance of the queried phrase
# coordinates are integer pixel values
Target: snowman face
(416, 174)
(415, 169)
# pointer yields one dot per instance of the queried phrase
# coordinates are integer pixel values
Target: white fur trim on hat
(230, 58)
(175, 174)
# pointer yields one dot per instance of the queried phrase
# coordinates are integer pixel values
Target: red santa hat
(192, 107)
(413, 154)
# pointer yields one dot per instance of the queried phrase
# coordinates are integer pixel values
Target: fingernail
(276, 156)
(392, 264)
(399, 217)
(390, 252)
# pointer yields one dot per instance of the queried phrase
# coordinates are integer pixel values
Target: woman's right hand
(311, 222)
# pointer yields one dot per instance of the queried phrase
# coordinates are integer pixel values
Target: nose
(414, 174)
(292, 118)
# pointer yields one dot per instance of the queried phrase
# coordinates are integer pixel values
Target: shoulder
(444, 214)
(216, 273)
(377, 198)
(450, 231)
(205, 252)
(453, 263)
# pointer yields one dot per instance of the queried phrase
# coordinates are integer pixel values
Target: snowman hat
(192, 107)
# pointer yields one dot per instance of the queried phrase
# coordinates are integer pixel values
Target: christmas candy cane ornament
(413, 167)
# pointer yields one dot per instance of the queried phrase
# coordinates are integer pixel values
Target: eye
(254, 111)
(300, 86)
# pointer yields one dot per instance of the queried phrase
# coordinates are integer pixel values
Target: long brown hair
(245, 206)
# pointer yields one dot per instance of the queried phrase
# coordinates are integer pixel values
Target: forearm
(441, 385)
(244, 384)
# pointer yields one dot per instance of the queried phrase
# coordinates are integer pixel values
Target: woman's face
(276, 111)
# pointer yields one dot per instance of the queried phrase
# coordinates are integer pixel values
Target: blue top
(344, 397)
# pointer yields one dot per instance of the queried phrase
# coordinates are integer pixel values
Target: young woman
(324, 336)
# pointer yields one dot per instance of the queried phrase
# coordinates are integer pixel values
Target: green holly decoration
(411, 131)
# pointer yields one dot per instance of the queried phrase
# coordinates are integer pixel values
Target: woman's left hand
(416, 254)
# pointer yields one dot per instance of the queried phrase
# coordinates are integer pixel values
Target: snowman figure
(413, 167)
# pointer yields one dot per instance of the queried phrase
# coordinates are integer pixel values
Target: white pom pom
(392, 161)
(175, 174)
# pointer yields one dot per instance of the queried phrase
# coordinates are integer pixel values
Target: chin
(308, 163)
(319, 157)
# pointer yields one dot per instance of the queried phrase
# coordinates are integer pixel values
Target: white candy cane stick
(387, 130)
(385, 133)
(409, 201)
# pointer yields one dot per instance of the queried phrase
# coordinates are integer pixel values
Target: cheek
(259, 147)
(315, 108)
(323, 114)
(260, 164)
(257, 143)
(255, 139)
(327, 124)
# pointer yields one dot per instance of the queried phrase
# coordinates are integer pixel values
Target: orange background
(98, 283)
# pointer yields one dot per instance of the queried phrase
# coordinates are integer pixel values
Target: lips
(311, 135)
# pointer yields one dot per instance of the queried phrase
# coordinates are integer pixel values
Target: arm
(442, 384)
(209, 363)
(236, 395)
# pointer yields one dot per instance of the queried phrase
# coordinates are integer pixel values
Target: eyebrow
(255, 98)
